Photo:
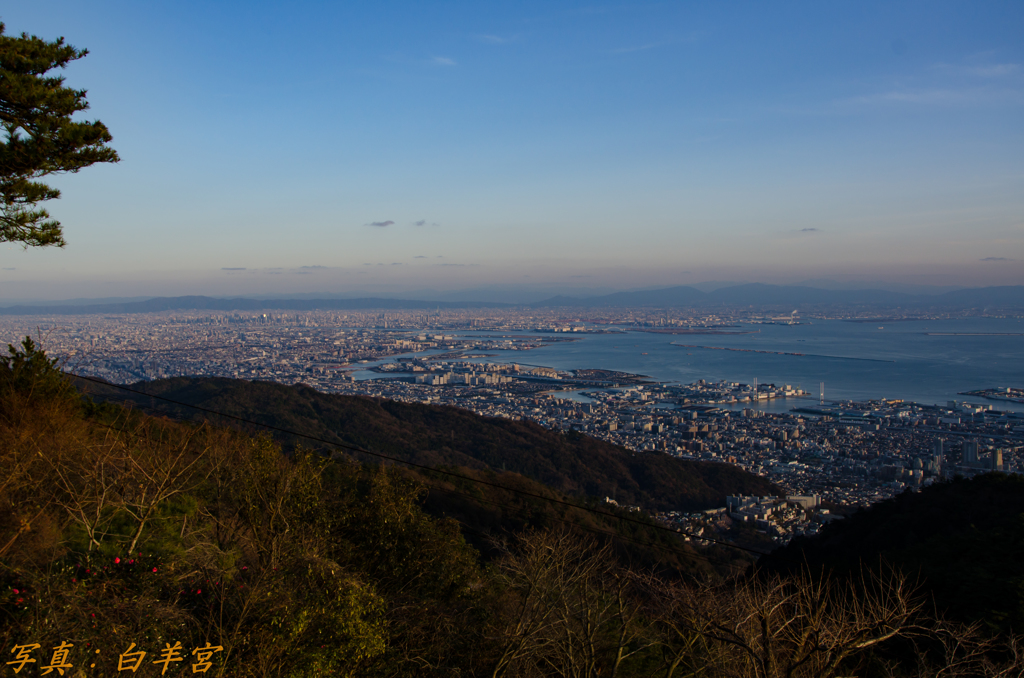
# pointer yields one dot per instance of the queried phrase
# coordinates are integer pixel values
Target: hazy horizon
(514, 294)
(308, 147)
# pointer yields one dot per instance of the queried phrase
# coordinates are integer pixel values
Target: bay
(929, 362)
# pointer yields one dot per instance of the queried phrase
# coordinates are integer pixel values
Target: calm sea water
(904, 359)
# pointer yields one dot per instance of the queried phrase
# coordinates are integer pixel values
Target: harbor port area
(1009, 394)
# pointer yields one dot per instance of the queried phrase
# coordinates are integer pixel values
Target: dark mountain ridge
(434, 436)
(964, 539)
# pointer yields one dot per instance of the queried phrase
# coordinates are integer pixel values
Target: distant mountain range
(790, 295)
(200, 303)
(779, 297)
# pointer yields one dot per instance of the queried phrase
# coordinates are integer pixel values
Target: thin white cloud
(443, 61)
(980, 70)
(977, 80)
(492, 39)
(968, 96)
(689, 38)
(994, 70)
(637, 48)
(929, 96)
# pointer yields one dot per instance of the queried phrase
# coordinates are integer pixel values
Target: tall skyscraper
(970, 452)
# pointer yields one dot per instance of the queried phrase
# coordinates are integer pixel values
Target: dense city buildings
(826, 455)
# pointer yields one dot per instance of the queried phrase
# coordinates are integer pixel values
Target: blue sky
(536, 144)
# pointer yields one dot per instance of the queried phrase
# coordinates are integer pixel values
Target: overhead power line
(594, 530)
(451, 474)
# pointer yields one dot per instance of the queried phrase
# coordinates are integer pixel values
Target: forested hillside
(129, 541)
(434, 435)
(963, 539)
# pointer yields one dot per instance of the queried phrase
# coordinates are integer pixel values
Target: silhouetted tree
(39, 137)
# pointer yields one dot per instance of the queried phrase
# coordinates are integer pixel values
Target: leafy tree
(39, 137)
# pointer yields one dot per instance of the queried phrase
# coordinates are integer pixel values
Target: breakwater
(801, 355)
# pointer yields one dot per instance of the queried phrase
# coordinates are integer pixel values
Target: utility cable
(424, 467)
(594, 530)
(522, 510)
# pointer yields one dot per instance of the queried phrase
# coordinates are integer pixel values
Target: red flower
(117, 561)
(16, 591)
(154, 569)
